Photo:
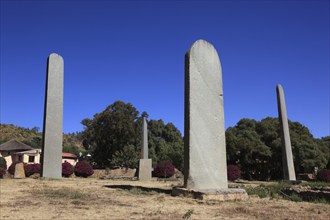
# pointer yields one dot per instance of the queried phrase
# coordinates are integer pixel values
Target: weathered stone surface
(308, 193)
(19, 171)
(144, 148)
(205, 146)
(212, 194)
(53, 119)
(145, 167)
(287, 158)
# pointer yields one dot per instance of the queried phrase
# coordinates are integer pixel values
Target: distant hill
(33, 137)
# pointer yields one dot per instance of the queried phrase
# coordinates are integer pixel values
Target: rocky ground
(93, 198)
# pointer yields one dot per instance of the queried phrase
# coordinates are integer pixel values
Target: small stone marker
(53, 119)
(205, 161)
(145, 164)
(287, 159)
(19, 171)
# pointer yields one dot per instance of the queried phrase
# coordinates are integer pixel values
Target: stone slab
(19, 171)
(205, 146)
(287, 158)
(53, 119)
(212, 194)
(145, 169)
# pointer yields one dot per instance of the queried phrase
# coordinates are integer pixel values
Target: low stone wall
(308, 193)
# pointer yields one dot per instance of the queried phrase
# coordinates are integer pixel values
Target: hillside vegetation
(33, 137)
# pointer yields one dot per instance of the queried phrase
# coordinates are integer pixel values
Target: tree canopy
(114, 137)
(256, 147)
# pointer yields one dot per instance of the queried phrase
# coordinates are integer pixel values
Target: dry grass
(78, 198)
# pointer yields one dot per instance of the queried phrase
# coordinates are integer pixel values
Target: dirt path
(91, 198)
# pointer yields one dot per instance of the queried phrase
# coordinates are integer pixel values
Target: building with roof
(10, 150)
(17, 151)
(70, 158)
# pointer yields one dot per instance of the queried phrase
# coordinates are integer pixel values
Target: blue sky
(134, 51)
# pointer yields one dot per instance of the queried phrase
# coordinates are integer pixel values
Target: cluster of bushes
(82, 169)
(3, 163)
(3, 167)
(164, 169)
(233, 172)
(31, 169)
(67, 169)
(11, 168)
(2, 172)
(324, 175)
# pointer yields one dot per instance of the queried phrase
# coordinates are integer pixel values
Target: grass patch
(317, 184)
(295, 197)
(139, 191)
(188, 214)
(270, 190)
(276, 191)
(259, 191)
(63, 193)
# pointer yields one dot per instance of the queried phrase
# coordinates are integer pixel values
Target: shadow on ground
(142, 188)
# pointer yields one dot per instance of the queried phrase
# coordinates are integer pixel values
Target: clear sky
(134, 51)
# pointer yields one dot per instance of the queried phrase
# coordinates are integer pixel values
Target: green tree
(165, 143)
(126, 157)
(306, 151)
(110, 131)
(324, 144)
(245, 148)
(256, 147)
(114, 138)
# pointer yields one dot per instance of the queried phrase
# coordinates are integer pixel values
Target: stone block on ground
(220, 195)
(145, 169)
(19, 171)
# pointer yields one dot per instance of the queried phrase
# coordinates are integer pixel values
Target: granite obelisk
(51, 166)
(145, 164)
(205, 159)
(144, 150)
(287, 158)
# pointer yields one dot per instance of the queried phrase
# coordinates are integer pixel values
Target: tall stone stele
(145, 164)
(287, 158)
(51, 165)
(205, 162)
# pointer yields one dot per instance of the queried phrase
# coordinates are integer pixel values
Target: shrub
(324, 175)
(67, 169)
(83, 169)
(233, 172)
(11, 168)
(31, 169)
(164, 169)
(3, 163)
(2, 172)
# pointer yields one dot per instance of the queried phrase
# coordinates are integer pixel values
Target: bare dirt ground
(92, 198)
